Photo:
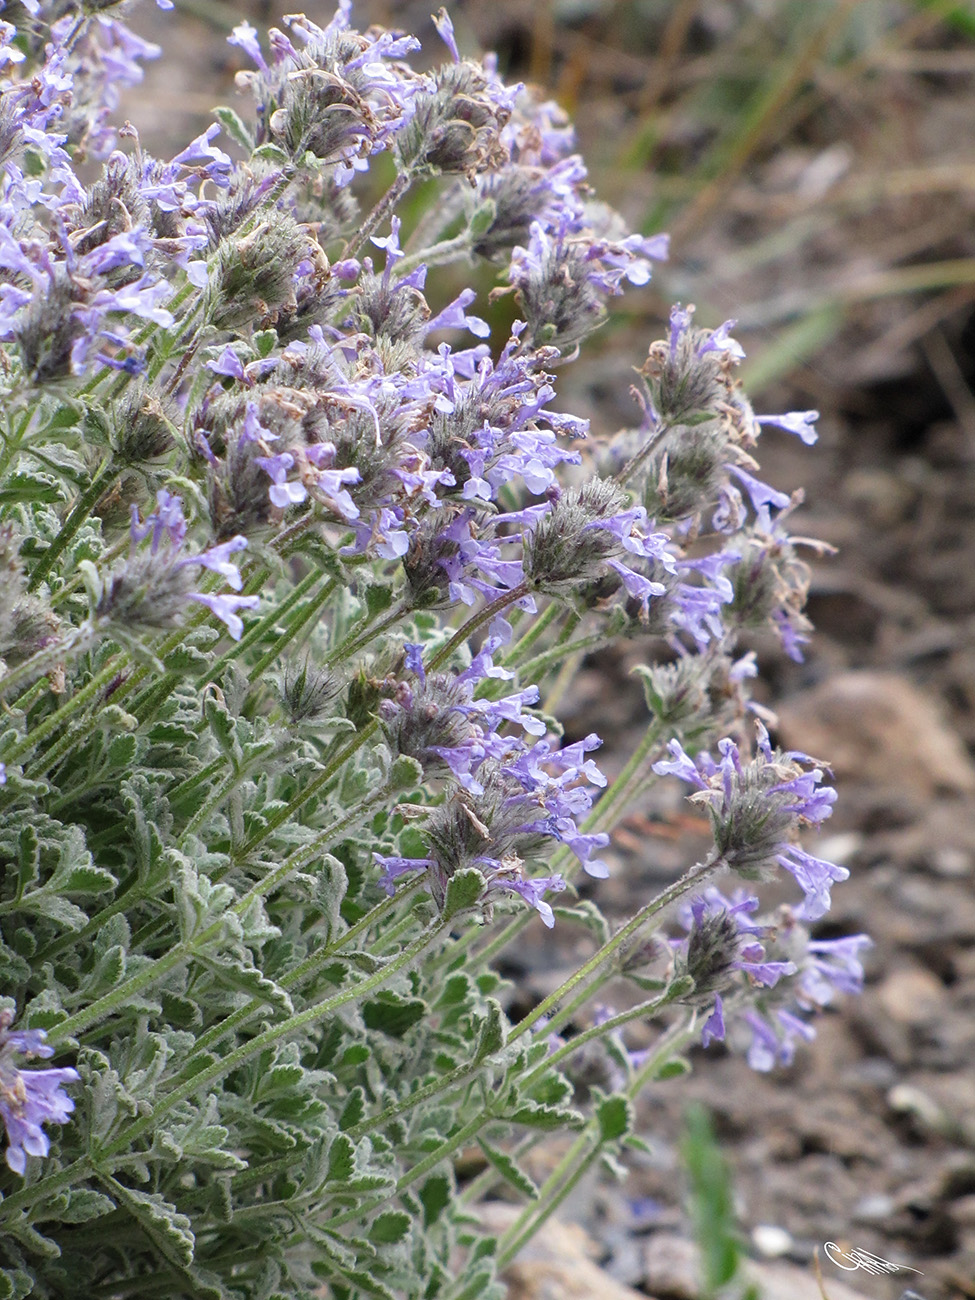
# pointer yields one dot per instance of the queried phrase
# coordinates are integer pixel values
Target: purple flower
(441, 20)
(834, 966)
(801, 423)
(153, 585)
(281, 492)
(756, 808)
(413, 659)
(29, 1098)
(720, 340)
(225, 608)
(531, 891)
(713, 1030)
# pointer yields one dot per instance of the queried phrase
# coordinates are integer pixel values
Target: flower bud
(456, 127)
(147, 590)
(396, 313)
(587, 530)
(140, 427)
(557, 294)
(424, 722)
(113, 204)
(320, 113)
(685, 472)
(49, 329)
(690, 376)
(713, 948)
(426, 562)
(253, 277)
(307, 691)
(770, 585)
(26, 623)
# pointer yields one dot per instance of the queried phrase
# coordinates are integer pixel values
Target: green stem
(627, 470)
(45, 1187)
(310, 966)
(432, 1089)
(293, 1024)
(447, 250)
(639, 1012)
(511, 1241)
(578, 1159)
(478, 620)
(687, 881)
(385, 205)
(365, 634)
(312, 788)
(259, 630)
(305, 616)
(536, 667)
(516, 654)
(13, 441)
(110, 1002)
(430, 1162)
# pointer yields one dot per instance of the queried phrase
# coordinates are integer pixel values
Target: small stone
(789, 1282)
(671, 1267)
(874, 1209)
(771, 1241)
(922, 1109)
(912, 996)
(952, 863)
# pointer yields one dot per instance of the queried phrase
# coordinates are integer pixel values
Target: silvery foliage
(298, 554)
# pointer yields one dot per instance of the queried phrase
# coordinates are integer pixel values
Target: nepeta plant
(292, 576)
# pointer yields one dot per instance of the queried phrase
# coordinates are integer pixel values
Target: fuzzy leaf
(389, 1227)
(532, 1115)
(492, 1034)
(615, 1118)
(674, 1068)
(167, 1229)
(85, 1204)
(509, 1169)
(122, 750)
(354, 1109)
(435, 1195)
(464, 889)
(331, 887)
(341, 1159)
(235, 127)
(15, 1284)
(392, 1014)
(406, 775)
(28, 858)
(57, 909)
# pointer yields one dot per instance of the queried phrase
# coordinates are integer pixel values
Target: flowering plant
(296, 558)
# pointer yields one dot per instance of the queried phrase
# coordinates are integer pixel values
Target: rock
(556, 1264)
(671, 1267)
(793, 1282)
(912, 996)
(878, 728)
(672, 1273)
(874, 1209)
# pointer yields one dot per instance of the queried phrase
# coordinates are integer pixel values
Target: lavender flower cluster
(292, 546)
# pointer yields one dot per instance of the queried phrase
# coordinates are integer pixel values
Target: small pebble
(874, 1209)
(771, 1241)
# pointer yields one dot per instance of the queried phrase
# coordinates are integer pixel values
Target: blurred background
(814, 163)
